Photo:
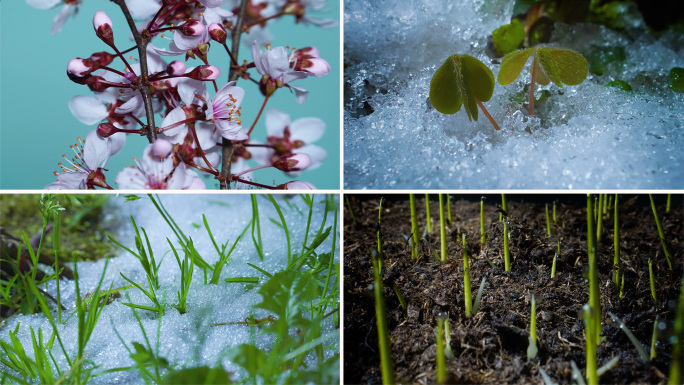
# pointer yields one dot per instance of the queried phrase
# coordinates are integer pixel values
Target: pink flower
(309, 60)
(85, 168)
(103, 27)
(296, 185)
(224, 109)
(151, 173)
(296, 162)
(288, 138)
(274, 65)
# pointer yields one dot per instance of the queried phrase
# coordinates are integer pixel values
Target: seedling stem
(441, 358)
(507, 252)
(451, 222)
(466, 280)
(594, 293)
(661, 233)
(442, 229)
(483, 234)
(651, 278)
(386, 363)
(414, 227)
(616, 247)
(548, 221)
(427, 214)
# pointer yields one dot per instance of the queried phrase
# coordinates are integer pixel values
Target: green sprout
(668, 204)
(478, 297)
(548, 221)
(599, 218)
(553, 265)
(442, 229)
(652, 280)
(400, 297)
(594, 293)
(561, 66)
(386, 362)
(555, 220)
(483, 234)
(441, 357)
(462, 80)
(640, 348)
(466, 280)
(451, 221)
(379, 235)
(428, 218)
(414, 227)
(504, 207)
(661, 233)
(507, 252)
(532, 347)
(351, 212)
(616, 247)
(187, 266)
(589, 317)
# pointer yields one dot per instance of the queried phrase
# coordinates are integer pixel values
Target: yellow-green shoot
(386, 362)
(654, 338)
(379, 234)
(414, 227)
(448, 202)
(466, 280)
(428, 218)
(548, 221)
(652, 280)
(588, 315)
(442, 229)
(555, 219)
(532, 347)
(553, 265)
(507, 252)
(594, 293)
(504, 207)
(599, 218)
(661, 233)
(676, 365)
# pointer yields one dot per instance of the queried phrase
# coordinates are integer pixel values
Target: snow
(185, 340)
(583, 137)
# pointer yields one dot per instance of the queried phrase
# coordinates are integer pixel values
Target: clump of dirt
(491, 346)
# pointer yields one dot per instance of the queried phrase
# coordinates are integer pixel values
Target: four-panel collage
(409, 191)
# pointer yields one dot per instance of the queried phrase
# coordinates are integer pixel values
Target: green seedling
(223, 256)
(283, 225)
(661, 233)
(668, 204)
(478, 297)
(256, 227)
(594, 293)
(652, 280)
(414, 227)
(462, 81)
(561, 66)
(589, 317)
(677, 356)
(400, 297)
(507, 252)
(616, 247)
(555, 219)
(508, 37)
(504, 207)
(386, 362)
(640, 348)
(145, 257)
(428, 218)
(483, 234)
(448, 202)
(548, 221)
(553, 265)
(251, 280)
(187, 266)
(654, 338)
(466, 280)
(378, 229)
(532, 347)
(599, 218)
(675, 79)
(351, 212)
(441, 356)
(442, 229)
(622, 286)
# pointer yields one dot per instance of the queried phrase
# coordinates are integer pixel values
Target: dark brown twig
(227, 145)
(144, 86)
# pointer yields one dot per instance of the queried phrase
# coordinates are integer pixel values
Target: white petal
(256, 57)
(117, 142)
(294, 75)
(130, 178)
(142, 9)
(320, 22)
(96, 151)
(88, 109)
(276, 121)
(300, 93)
(307, 130)
(132, 105)
(176, 115)
(230, 131)
(187, 88)
(61, 17)
(316, 153)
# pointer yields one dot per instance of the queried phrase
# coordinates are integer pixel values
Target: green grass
(442, 229)
(661, 233)
(441, 356)
(466, 280)
(428, 218)
(386, 361)
(414, 227)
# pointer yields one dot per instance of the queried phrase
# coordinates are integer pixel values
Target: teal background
(36, 126)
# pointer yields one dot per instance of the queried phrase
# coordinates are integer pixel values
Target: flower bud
(296, 185)
(96, 178)
(103, 27)
(102, 58)
(79, 67)
(192, 28)
(97, 83)
(204, 73)
(105, 130)
(176, 68)
(217, 32)
(308, 60)
(161, 148)
(296, 162)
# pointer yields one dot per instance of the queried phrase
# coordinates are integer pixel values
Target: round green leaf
(461, 80)
(508, 38)
(512, 64)
(563, 66)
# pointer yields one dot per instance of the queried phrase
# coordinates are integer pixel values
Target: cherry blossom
(274, 65)
(84, 170)
(153, 173)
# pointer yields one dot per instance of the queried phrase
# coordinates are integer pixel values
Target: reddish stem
(249, 133)
(534, 73)
(484, 110)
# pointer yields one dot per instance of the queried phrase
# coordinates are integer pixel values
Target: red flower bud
(204, 73)
(105, 130)
(217, 32)
(103, 28)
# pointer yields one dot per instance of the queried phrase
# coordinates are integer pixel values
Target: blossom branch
(227, 147)
(143, 86)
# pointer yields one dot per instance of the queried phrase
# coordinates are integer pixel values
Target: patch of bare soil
(491, 346)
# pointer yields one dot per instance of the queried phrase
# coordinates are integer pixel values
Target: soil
(491, 346)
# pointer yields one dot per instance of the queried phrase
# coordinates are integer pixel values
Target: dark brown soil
(491, 346)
